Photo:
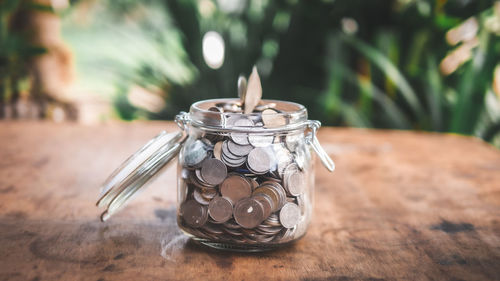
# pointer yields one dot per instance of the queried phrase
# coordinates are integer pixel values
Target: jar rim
(201, 116)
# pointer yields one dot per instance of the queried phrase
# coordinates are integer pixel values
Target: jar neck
(202, 117)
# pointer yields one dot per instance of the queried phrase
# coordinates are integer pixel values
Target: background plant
(379, 63)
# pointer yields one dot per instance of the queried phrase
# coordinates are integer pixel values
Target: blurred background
(430, 65)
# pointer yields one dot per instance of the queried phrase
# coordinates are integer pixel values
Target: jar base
(242, 248)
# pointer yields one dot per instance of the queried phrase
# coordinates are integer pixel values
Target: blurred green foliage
(350, 62)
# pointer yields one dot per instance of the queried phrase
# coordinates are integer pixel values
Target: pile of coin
(241, 186)
(239, 191)
(242, 192)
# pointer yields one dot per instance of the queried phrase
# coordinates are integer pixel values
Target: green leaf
(396, 116)
(433, 93)
(390, 70)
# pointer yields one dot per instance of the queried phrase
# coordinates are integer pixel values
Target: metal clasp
(182, 119)
(314, 143)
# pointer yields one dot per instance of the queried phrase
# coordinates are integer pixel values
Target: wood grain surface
(400, 206)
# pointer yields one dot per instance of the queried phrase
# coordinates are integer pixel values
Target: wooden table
(400, 206)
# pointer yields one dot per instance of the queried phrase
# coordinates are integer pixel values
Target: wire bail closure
(313, 141)
(182, 119)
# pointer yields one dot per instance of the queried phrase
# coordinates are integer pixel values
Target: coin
(248, 213)
(272, 118)
(289, 215)
(213, 171)
(260, 160)
(260, 140)
(262, 107)
(293, 179)
(238, 150)
(218, 150)
(235, 187)
(266, 202)
(242, 88)
(195, 153)
(295, 183)
(231, 107)
(254, 91)
(232, 162)
(212, 229)
(231, 119)
(283, 158)
(199, 198)
(241, 138)
(220, 209)
(231, 224)
(271, 194)
(195, 178)
(194, 214)
(272, 221)
(209, 193)
(199, 179)
(215, 109)
(253, 183)
(279, 190)
(230, 159)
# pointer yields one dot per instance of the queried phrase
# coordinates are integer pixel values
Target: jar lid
(137, 170)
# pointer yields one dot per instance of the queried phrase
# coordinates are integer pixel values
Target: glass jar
(245, 181)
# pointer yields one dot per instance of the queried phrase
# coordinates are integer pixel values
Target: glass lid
(137, 170)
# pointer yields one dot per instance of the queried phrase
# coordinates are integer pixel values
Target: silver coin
(260, 160)
(238, 150)
(241, 138)
(289, 215)
(302, 204)
(295, 183)
(300, 158)
(195, 153)
(213, 171)
(283, 158)
(231, 119)
(260, 140)
(293, 180)
(233, 163)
